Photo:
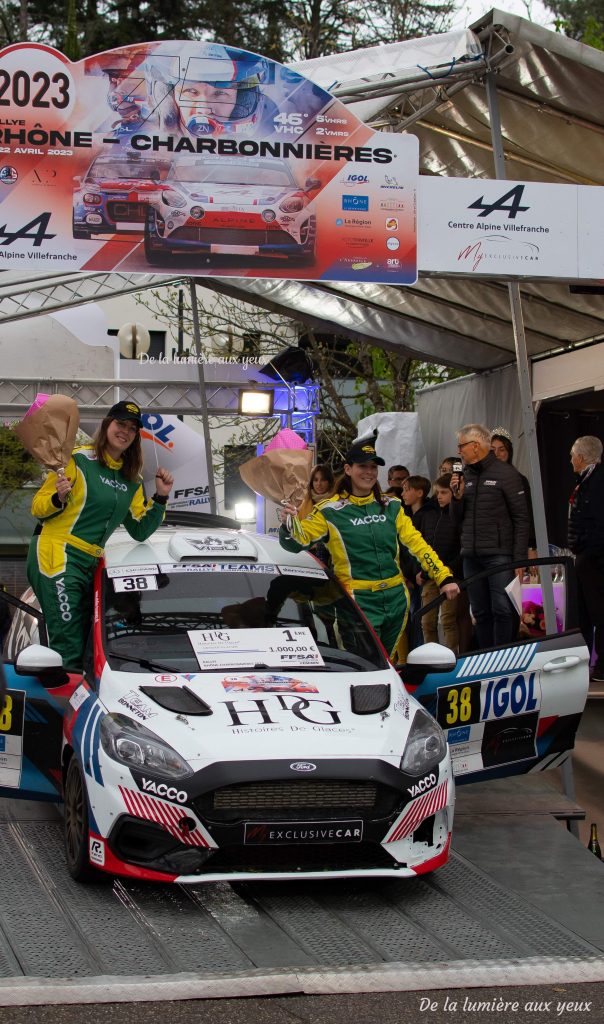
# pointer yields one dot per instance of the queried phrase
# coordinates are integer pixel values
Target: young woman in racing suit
(78, 510)
(362, 529)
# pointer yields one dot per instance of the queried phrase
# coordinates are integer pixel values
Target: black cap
(363, 450)
(126, 411)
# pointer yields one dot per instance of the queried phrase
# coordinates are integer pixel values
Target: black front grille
(127, 211)
(231, 236)
(324, 857)
(295, 799)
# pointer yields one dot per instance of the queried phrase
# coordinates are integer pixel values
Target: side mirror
(36, 660)
(424, 661)
(77, 181)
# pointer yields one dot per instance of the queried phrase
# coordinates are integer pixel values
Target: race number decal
(11, 738)
(458, 705)
(129, 584)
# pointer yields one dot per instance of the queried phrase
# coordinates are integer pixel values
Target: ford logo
(303, 766)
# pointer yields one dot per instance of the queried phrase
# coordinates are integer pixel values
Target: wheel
(76, 825)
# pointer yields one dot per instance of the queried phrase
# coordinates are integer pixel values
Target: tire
(76, 825)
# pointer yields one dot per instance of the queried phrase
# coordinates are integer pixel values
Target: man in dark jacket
(490, 503)
(586, 539)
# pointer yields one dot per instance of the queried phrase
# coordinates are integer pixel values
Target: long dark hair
(343, 487)
(132, 458)
(507, 444)
(326, 471)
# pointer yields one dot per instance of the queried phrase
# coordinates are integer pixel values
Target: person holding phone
(489, 504)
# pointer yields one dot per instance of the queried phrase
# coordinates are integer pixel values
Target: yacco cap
(126, 411)
(363, 450)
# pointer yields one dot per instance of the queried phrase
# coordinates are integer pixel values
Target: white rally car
(237, 718)
(233, 207)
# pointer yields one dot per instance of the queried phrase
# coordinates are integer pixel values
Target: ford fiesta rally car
(232, 207)
(237, 718)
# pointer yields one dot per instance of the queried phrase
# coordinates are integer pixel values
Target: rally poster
(197, 158)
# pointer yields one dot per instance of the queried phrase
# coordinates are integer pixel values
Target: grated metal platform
(516, 888)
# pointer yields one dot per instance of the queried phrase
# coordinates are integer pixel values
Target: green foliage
(281, 29)
(580, 19)
(16, 465)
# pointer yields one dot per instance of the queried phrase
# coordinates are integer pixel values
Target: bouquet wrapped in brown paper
(280, 474)
(49, 429)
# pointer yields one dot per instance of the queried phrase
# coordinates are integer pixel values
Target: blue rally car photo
(114, 193)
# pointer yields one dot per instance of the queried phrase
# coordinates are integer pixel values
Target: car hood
(264, 715)
(242, 195)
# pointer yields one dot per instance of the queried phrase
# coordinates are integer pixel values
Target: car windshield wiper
(153, 666)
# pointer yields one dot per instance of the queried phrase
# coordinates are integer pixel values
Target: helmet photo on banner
(219, 89)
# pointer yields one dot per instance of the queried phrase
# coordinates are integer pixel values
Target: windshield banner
(200, 158)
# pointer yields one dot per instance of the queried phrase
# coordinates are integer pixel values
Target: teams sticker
(251, 567)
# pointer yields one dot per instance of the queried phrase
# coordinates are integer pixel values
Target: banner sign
(498, 228)
(196, 157)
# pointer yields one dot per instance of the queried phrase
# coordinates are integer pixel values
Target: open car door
(515, 709)
(31, 715)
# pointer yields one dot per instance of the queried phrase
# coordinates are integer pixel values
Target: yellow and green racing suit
(363, 537)
(64, 554)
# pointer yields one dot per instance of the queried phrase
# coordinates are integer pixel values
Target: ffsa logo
(508, 203)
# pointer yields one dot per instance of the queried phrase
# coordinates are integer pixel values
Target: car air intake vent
(318, 794)
(178, 699)
(367, 700)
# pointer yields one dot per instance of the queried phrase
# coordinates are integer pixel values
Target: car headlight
(173, 199)
(292, 205)
(92, 197)
(426, 745)
(132, 744)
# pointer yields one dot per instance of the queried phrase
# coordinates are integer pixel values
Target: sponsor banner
(498, 228)
(300, 832)
(122, 571)
(303, 570)
(196, 156)
(247, 567)
(168, 442)
(254, 648)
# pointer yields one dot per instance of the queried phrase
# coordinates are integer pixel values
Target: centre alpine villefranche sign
(200, 158)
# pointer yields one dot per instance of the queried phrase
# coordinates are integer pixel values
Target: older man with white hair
(490, 504)
(586, 539)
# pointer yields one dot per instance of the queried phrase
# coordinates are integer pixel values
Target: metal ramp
(490, 904)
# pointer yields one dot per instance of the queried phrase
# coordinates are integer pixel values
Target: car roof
(170, 544)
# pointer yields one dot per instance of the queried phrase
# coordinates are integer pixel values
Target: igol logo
(303, 766)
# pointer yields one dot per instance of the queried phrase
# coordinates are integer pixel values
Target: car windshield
(127, 170)
(149, 627)
(233, 174)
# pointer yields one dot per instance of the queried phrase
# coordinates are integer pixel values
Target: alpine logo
(162, 789)
(303, 766)
(511, 208)
(422, 786)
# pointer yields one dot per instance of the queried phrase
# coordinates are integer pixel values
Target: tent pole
(205, 421)
(528, 419)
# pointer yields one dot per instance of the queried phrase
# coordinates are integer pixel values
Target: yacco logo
(366, 520)
(161, 789)
(355, 203)
(154, 429)
(423, 785)
(116, 484)
(303, 766)
(63, 599)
